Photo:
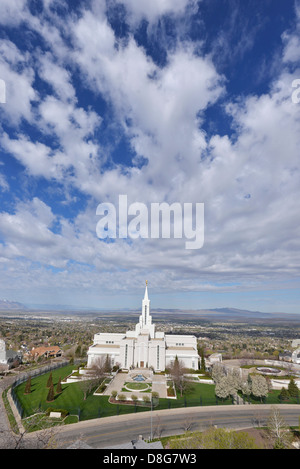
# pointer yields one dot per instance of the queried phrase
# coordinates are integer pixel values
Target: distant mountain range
(6, 305)
(216, 314)
(231, 314)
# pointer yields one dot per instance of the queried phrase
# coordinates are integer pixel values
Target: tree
(284, 394)
(107, 364)
(278, 430)
(28, 386)
(234, 381)
(259, 386)
(217, 372)
(50, 396)
(78, 351)
(45, 438)
(228, 385)
(222, 389)
(293, 388)
(98, 370)
(246, 389)
(177, 371)
(202, 361)
(146, 399)
(86, 386)
(50, 381)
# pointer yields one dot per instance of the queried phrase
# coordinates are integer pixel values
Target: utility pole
(151, 417)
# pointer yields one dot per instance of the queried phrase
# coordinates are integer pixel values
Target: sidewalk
(158, 384)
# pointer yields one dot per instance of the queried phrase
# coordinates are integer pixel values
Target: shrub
(284, 394)
(293, 388)
(50, 396)
(50, 382)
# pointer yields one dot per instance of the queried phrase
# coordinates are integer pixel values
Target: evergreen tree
(293, 388)
(50, 381)
(107, 364)
(202, 361)
(50, 396)
(28, 386)
(284, 394)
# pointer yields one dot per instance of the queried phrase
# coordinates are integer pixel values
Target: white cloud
(152, 10)
(18, 74)
(161, 105)
(4, 186)
(12, 11)
(291, 42)
(249, 183)
(57, 76)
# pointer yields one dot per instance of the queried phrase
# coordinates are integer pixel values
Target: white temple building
(144, 347)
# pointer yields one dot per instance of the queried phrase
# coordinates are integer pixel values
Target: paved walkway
(158, 383)
(6, 436)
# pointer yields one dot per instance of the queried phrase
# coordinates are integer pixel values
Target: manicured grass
(72, 398)
(273, 398)
(197, 394)
(136, 386)
(139, 387)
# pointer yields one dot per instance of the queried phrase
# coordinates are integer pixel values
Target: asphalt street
(110, 431)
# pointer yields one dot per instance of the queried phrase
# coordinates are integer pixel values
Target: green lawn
(71, 398)
(273, 398)
(129, 386)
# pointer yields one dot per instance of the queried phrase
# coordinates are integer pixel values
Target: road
(110, 431)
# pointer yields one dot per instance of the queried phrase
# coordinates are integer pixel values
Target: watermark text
(158, 220)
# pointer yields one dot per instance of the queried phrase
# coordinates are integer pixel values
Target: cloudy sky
(186, 101)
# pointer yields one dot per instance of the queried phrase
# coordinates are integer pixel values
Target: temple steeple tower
(146, 308)
(145, 321)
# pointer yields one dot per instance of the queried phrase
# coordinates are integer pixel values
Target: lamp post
(151, 417)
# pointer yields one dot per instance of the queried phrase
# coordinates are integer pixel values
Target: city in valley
(244, 359)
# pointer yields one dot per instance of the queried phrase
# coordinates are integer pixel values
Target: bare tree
(99, 369)
(43, 438)
(86, 386)
(188, 422)
(278, 430)
(158, 428)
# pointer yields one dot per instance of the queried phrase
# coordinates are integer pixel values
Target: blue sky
(163, 101)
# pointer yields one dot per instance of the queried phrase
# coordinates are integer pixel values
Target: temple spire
(146, 291)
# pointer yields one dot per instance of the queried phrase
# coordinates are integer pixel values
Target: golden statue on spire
(146, 282)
